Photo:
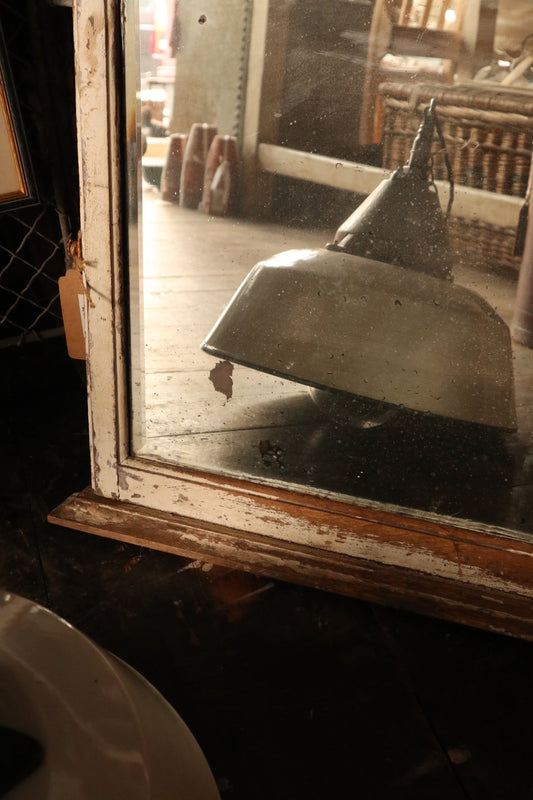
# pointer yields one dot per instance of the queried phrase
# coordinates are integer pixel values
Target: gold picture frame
(17, 184)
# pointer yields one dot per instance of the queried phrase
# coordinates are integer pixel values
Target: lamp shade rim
(374, 330)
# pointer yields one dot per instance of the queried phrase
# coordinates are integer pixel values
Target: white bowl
(105, 731)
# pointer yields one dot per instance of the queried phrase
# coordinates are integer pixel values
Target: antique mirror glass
(379, 368)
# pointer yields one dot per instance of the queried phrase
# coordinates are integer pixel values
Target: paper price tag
(73, 298)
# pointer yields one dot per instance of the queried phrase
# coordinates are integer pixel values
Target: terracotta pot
(192, 172)
(171, 177)
(221, 177)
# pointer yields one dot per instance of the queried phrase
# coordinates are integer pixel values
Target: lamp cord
(447, 163)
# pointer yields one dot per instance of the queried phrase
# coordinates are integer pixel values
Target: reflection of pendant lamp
(372, 323)
(401, 222)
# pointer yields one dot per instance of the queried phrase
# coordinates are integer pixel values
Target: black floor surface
(291, 692)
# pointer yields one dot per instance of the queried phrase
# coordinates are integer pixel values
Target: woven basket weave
(489, 137)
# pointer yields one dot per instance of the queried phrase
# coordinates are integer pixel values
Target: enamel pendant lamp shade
(370, 337)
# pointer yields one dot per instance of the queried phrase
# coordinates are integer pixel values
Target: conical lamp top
(401, 221)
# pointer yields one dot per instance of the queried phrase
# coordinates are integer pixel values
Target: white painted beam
(475, 204)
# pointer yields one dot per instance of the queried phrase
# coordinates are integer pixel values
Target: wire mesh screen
(33, 238)
(32, 255)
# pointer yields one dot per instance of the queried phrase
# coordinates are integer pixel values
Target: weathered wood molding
(487, 582)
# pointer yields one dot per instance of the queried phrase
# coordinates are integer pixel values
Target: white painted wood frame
(457, 570)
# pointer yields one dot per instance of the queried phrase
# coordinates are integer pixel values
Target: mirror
(257, 128)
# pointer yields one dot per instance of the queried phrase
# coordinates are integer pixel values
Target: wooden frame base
(477, 602)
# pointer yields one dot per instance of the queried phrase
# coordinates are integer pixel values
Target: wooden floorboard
(262, 401)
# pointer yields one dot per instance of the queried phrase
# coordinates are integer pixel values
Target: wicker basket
(488, 135)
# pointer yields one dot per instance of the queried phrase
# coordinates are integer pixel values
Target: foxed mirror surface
(378, 369)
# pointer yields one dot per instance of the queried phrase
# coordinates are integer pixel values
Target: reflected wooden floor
(270, 429)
